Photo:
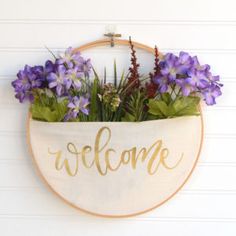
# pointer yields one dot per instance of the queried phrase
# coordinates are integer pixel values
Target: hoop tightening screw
(112, 36)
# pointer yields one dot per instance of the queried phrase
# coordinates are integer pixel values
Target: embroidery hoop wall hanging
(127, 191)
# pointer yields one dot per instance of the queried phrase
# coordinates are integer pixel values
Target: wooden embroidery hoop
(107, 42)
(99, 43)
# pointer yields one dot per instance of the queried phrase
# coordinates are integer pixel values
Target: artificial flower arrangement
(87, 137)
(69, 89)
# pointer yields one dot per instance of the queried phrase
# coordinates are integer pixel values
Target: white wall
(207, 204)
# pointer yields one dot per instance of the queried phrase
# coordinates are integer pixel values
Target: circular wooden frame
(105, 42)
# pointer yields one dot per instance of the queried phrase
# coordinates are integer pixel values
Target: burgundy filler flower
(151, 86)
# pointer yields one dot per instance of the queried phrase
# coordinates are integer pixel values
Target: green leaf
(135, 105)
(93, 101)
(158, 108)
(115, 74)
(128, 117)
(43, 113)
(61, 109)
(185, 106)
(121, 83)
(54, 113)
(95, 74)
(182, 106)
(105, 76)
(166, 97)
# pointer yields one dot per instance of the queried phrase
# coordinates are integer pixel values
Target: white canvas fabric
(116, 168)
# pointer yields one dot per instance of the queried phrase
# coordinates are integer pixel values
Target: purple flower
(85, 66)
(42, 71)
(189, 75)
(184, 62)
(77, 105)
(37, 70)
(74, 60)
(213, 78)
(173, 66)
(169, 66)
(59, 80)
(69, 58)
(162, 82)
(49, 67)
(211, 93)
(186, 87)
(184, 58)
(197, 66)
(27, 79)
(75, 76)
(197, 79)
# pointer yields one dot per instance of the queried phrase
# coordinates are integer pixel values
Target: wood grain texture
(206, 206)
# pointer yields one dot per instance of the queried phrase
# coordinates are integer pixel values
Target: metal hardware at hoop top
(112, 36)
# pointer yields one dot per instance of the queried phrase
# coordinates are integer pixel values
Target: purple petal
(67, 82)
(71, 105)
(59, 89)
(61, 69)
(69, 51)
(163, 88)
(49, 66)
(60, 61)
(51, 77)
(85, 111)
(52, 84)
(210, 100)
(186, 90)
(75, 113)
(77, 84)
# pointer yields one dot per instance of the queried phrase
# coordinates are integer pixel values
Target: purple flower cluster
(63, 75)
(186, 73)
(29, 79)
(70, 68)
(77, 105)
